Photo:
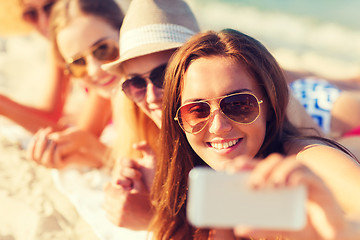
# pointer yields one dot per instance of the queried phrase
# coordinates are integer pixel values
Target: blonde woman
(84, 35)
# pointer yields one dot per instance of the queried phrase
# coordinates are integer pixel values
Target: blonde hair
(132, 126)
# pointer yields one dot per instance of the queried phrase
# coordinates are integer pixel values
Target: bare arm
(339, 171)
(32, 118)
(78, 145)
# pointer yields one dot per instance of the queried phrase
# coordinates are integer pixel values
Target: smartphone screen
(219, 199)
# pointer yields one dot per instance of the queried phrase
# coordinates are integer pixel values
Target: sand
(31, 207)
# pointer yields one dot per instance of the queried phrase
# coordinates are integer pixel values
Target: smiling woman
(84, 35)
(81, 55)
(224, 101)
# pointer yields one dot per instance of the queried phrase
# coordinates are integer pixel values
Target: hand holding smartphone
(219, 199)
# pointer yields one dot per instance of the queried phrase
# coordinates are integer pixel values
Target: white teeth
(224, 145)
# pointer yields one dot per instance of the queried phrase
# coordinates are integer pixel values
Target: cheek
(141, 105)
(86, 82)
(193, 140)
(196, 142)
(257, 136)
(144, 108)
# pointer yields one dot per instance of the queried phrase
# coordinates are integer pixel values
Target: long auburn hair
(177, 157)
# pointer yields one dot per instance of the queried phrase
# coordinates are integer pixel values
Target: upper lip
(105, 81)
(155, 107)
(222, 140)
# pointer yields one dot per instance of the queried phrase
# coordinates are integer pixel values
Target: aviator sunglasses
(135, 86)
(32, 14)
(105, 51)
(242, 108)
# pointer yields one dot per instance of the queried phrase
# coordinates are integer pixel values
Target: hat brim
(113, 67)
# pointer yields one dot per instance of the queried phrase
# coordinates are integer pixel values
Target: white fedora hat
(152, 26)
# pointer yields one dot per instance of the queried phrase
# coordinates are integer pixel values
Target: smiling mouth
(223, 145)
(103, 84)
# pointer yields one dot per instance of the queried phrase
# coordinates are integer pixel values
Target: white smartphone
(219, 199)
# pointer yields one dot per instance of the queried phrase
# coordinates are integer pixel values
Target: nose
(43, 23)
(93, 68)
(218, 123)
(153, 94)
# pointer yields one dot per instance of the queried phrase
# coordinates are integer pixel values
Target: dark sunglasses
(242, 108)
(106, 50)
(135, 86)
(32, 14)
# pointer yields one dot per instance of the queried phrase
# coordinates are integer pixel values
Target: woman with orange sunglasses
(84, 35)
(36, 16)
(224, 108)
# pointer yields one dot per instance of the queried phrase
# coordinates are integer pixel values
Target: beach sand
(31, 207)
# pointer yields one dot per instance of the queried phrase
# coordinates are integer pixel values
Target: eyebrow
(200, 99)
(129, 75)
(80, 54)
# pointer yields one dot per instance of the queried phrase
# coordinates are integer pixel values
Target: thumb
(241, 163)
(144, 148)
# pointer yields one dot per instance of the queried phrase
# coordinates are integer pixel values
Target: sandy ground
(31, 208)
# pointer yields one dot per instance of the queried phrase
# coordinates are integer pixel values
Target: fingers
(66, 135)
(277, 171)
(47, 159)
(71, 140)
(148, 159)
(146, 163)
(127, 175)
(40, 144)
(241, 163)
(144, 147)
(119, 166)
(323, 211)
(241, 231)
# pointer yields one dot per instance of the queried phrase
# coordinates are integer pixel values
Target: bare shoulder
(315, 150)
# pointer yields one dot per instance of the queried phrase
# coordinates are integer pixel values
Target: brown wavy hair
(177, 157)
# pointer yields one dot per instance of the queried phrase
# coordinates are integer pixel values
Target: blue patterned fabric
(318, 97)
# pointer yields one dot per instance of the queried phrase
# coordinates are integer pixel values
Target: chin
(156, 118)
(158, 123)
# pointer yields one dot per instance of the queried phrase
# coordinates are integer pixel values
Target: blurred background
(319, 36)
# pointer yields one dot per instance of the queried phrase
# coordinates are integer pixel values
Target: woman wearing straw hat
(151, 32)
(23, 16)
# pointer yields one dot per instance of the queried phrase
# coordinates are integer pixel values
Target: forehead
(216, 76)
(34, 3)
(81, 33)
(146, 63)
